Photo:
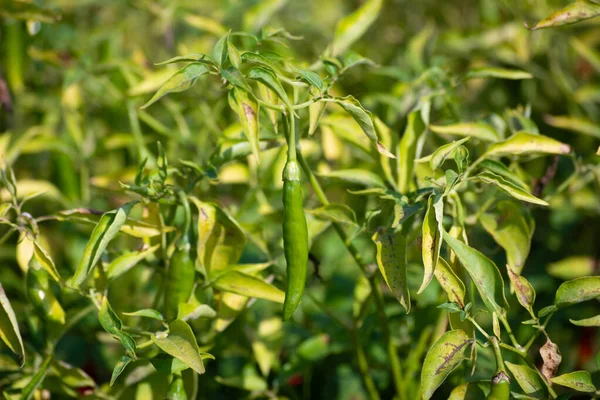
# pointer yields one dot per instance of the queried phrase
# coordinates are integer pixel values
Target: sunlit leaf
(247, 285)
(432, 237)
(479, 130)
(500, 73)
(182, 80)
(180, 343)
(513, 190)
(524, 143)
(9, 328)
(575, 12)
(353, 26)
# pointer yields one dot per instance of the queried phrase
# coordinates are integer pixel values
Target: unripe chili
(181, 272)
(295, 237)
(176, 389)
(500, 387)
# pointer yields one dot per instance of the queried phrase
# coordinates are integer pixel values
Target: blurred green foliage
(73, 78)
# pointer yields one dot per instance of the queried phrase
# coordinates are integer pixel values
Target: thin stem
(292, 139)
(363, 367)
(509, 331)
(377, 294)
(498, 355)
(479, 328)
(537, 333)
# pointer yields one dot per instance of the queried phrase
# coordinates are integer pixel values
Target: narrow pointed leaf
(442, 358)
(407, 149)
(356, 176)
(180, 343)
(119, 368)
(250, 286)
(391, 260)
(182, 80)
(124, 263)
(432, 237)
(441, 154)
(574, 124)
(312, 78)
(500, 73)
(107, 228)
(524, 143)
(577, 11)
(315, 112)
(593, 321)
(364, 118)
(513, 190)
(270, 80)
(482, 271)
(450, 282)
(247, 111)
(9, 328)
(528, 379)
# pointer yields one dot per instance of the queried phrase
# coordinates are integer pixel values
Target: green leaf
(219, 53)
(247, 111)
(523, 289)
(125, 262)
(312, 78)
(235, 78)
(112, 324)
(442, 358)
(578, 380)
(44, 259)
(234, 54)
(107, 228)
(340, 213)
(501, 73)
(528, 379)
(146, 312)
(593, 321)
(37, 379)
(443, 152)
(511, 229)
(391, 260)
(356, 176)
(259, 59)
(450, 282)
(432, 237)
(270, 80)
(250, 286)
(499, 168)
(575, 12)
(482, 271)
(513, 190)
(575, 124)
(180, 343)
(364, 118)
(407, 150)
(315, 112)
(182, 80)
(188, 312)
(478, 130)
(524, 143)
(572, 267)
(119, 368)
(192, 57)
(577, 291)
(353, 26)
(220, 238)
(9, 328)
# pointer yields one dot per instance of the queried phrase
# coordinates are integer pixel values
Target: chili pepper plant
(286, 210)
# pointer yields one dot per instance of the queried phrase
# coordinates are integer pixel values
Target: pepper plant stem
(378, 295)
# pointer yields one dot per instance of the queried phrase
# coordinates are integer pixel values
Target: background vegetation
(73, 78)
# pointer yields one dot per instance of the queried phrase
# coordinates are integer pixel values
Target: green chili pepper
(40, 293)
(176, 390)
(295, 232)
(500, 387)
(182, 270)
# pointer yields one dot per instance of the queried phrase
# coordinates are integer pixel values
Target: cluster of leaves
(434, 159)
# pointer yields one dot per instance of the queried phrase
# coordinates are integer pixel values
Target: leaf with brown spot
(432, 237)
(578, 380)
(528, 380)
(247, 111)
(577, 291)
(391, 259)
(443, 358)
(523, 289)
(450, 282)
